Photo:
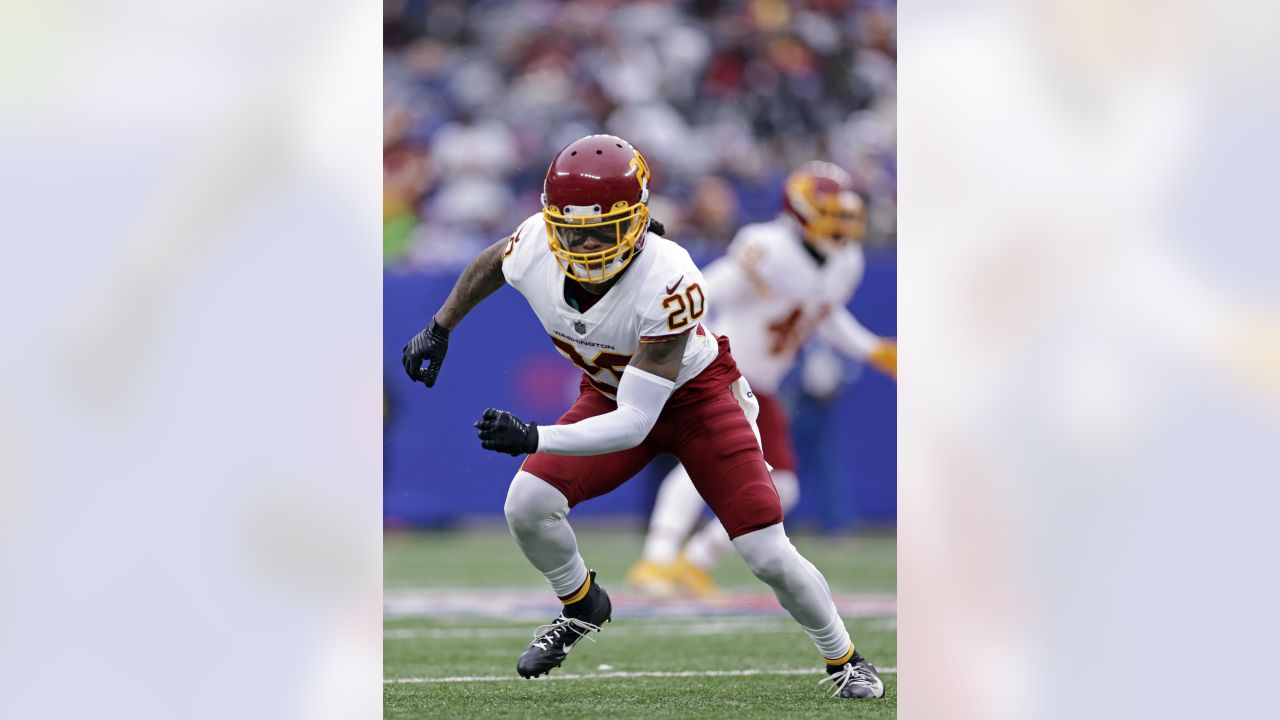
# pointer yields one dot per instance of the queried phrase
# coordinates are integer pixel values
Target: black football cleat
(855, 679)
(552, 643)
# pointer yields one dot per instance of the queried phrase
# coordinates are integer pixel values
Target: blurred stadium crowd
(724, 98)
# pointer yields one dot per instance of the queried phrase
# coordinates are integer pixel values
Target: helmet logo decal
(641, 169)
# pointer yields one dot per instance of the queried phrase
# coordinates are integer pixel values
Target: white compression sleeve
(799, 587)
(641, 396)
(537, 515)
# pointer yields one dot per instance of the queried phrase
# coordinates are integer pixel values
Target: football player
(779, 282)
(625, 305)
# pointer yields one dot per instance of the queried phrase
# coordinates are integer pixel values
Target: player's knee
(768, 553)
(521, 517)
(770, 567)
(768, 562)
(532, 503)
(517, 516)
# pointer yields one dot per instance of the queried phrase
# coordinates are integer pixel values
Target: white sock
(536, 514)
(676, 511)
(712, 542)
(799, 586)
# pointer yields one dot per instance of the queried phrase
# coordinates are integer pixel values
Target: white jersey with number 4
(661, 294)
(771, 294)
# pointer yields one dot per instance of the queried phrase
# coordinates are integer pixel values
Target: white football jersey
(660, 294)
(774, 296)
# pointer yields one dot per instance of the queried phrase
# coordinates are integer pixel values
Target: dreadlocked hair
(656, 228)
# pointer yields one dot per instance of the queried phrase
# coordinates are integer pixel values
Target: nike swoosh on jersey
(675, 285)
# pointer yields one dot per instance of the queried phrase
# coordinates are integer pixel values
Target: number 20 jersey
(660, 295)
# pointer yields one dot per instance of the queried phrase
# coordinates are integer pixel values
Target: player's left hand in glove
(429, 345)
(501, 431)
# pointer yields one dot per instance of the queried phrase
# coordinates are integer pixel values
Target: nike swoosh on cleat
(675, 285)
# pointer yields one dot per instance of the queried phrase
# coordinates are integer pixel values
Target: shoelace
(549, 632)
(850, 674)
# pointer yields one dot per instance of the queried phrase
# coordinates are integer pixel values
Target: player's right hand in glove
(430, 345)
(503, 432)
(884, 357)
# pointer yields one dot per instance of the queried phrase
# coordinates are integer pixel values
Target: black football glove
(430, 345)
(503, 432)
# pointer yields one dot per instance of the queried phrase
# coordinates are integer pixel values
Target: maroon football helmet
(597, 186)
(821, 198)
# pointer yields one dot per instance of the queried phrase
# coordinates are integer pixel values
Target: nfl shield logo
(579, 327)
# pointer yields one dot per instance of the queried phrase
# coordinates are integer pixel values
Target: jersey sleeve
(728, 283)
(749, 255)
(523, 249)
(679, 303)
(843, 331)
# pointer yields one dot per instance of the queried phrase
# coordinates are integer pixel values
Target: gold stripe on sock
(582, 592)
(847, 657)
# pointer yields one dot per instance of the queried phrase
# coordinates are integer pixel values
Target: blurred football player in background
(780, 282)
(624, 304)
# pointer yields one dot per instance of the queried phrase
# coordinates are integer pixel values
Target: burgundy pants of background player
(775, 433)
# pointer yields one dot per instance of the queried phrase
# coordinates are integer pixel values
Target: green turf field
(461, 607)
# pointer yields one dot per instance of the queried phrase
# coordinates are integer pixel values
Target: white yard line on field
(752, 627)
(609, 675)
(704, 628)
(532, 603)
